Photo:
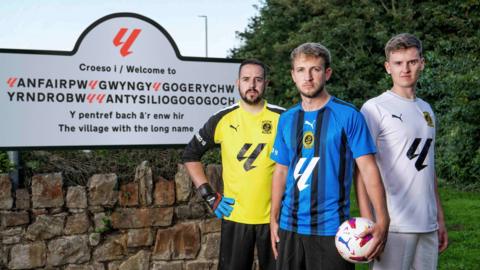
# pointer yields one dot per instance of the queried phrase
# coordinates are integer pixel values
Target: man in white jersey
(403, 128)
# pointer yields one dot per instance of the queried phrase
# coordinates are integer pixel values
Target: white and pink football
(350, 246)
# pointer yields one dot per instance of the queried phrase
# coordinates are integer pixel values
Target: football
(351, 247)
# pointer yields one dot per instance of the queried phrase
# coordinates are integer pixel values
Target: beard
(251, 101)
(314, 94)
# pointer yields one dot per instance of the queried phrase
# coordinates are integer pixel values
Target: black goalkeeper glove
(221, 206)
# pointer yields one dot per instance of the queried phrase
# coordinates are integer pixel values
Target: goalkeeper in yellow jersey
(245, 133)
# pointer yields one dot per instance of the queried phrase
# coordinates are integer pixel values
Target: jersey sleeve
(279, 152)
(372, 117)
(358, 136)
(202, 141)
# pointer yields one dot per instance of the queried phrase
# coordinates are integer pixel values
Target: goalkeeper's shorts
(237, 246)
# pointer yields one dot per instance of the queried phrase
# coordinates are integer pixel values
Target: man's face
(310, 75)
(251, 83)
(405, 66)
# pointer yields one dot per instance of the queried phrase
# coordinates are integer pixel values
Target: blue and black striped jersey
(319, 148)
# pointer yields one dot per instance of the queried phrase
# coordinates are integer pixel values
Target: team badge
(428, 118)
(308, 139)
(266, 127)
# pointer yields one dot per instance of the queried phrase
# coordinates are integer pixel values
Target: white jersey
(404, 132)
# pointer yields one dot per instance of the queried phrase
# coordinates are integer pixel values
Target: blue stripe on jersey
(298, 136)
(316, 198)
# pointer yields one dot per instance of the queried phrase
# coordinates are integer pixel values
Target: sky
(57, 24)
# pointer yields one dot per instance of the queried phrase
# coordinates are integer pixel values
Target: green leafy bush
(5, 165)
(78, 166)
(457, 103)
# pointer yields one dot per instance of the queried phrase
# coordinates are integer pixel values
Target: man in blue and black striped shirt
(315, 146)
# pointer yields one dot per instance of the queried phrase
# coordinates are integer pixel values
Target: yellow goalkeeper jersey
(246, 141)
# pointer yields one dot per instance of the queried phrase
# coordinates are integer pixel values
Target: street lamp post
(206, 33)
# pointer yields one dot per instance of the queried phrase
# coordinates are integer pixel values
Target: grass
(462, 216)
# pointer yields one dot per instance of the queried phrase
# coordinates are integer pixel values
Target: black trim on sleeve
(341, 102)
(275, 108)
(205, 138)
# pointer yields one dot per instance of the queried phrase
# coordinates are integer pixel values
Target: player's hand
(224, 207)
(274, 238)
(442, 237)
(378, 233)
(221, 206)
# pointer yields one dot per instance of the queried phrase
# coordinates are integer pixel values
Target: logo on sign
(119, 40)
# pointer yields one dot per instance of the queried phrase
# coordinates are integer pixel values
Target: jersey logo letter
(250, 159)
(302, 178)
(423, 154)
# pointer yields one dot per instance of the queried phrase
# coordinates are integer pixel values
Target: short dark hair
(312, 49)
(254, 62)
(403, 41)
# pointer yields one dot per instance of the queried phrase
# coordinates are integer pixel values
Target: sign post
(124, 84)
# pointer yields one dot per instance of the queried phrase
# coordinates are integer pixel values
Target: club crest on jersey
(428, 118)
(308, 139)
(266, 127)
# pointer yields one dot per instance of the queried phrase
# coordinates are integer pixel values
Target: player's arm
(196, 172)
(363, 202)
(370, 174)
(278, 188)
(200, 143)
(442, 229)
(193, 152)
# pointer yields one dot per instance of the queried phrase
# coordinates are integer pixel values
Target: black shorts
(310, 252)
(237, 246)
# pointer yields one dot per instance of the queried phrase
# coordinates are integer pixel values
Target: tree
(356, 32)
